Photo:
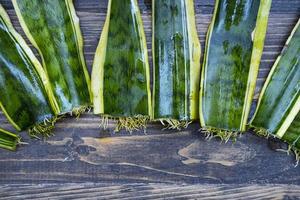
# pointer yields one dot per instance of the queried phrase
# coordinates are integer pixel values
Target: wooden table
(83, 161)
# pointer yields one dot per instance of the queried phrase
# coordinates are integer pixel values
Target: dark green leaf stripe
(279, 102)
(121, 70)
(234, 47)
(23, 98)
(172, 64)
(52, 27)
(8, 140)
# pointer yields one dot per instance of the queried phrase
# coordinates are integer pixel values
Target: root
(129, 124)
(104, 121)
(297, 155)
(224, 135)
(174, 124)
(132, 123)
(43, 129)
(79, 110)
(22, 143)
(292, 149)
(295, 150)
(262, 132)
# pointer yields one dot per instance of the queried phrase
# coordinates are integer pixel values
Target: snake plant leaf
(176, 53)
(292, 137)
(121, 75)
(25, 94)
(234, 47)
(8, 140)
(53, 28)
(279, 102)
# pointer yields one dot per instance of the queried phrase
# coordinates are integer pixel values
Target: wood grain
(142, 191)
(152, 164)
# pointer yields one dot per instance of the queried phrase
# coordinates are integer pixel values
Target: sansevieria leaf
(234, 46)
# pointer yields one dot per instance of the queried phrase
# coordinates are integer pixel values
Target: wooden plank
(81, 152)
(147, 191)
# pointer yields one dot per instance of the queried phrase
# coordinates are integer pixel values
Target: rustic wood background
(82, 161)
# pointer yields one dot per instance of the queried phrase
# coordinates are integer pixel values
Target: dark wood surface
(155, 163)
(139, 191)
